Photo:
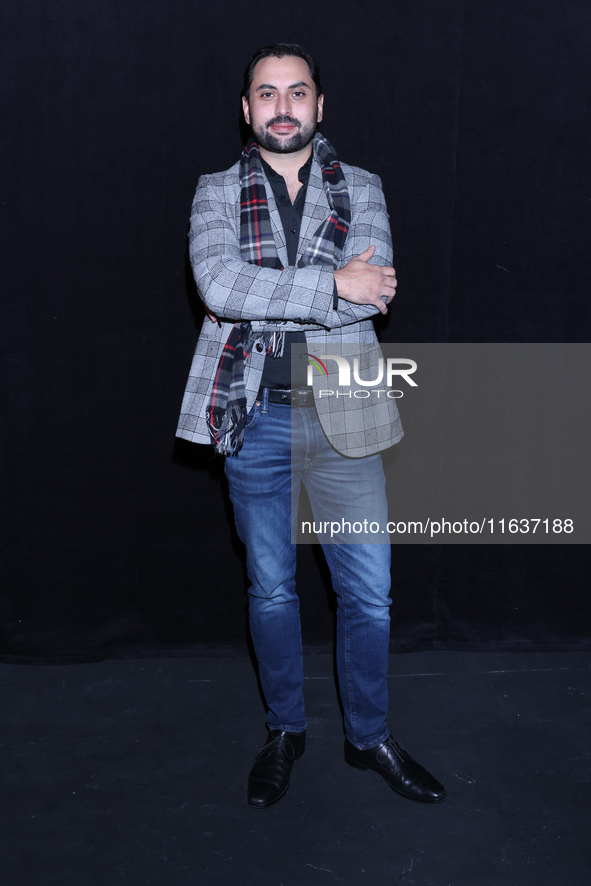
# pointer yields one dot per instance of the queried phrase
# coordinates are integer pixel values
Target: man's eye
(266, 94)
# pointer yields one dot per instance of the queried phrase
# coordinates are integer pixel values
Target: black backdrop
(116, 540)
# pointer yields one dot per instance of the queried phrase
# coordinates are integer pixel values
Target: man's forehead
(290, 67)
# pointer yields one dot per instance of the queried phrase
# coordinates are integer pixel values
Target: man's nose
(283, 106)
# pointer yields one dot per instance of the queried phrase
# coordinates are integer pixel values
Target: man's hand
(365, 284)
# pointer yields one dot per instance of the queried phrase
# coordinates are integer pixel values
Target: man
(291, 247)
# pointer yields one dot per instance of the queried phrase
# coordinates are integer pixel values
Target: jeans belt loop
(302, 397)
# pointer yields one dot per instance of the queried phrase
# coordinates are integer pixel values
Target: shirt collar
(303, 174)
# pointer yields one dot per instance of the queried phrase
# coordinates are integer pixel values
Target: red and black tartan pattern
(226, 414)
(257, 244)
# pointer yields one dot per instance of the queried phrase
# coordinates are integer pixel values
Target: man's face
(282, 108)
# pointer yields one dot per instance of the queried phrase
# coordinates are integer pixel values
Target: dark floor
(134, 772)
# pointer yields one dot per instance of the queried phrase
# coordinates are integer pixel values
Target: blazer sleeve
(370, 226)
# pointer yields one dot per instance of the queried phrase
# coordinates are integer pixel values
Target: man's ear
(320, 107)
(246, 110)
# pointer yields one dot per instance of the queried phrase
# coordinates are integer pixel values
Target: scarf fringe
(273, 343)
(227, 429)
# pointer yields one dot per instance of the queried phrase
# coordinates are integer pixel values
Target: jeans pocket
(253, 415)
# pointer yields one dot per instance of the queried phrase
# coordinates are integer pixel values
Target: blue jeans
(264, 480)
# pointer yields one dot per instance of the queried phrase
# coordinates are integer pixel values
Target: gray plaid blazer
(288, 299)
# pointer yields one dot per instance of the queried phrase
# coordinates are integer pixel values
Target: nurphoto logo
(399, 367)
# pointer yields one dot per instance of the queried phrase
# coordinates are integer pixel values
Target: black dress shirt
(277, 371)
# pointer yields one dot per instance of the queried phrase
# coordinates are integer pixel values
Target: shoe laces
(279, 744)
(395, 748)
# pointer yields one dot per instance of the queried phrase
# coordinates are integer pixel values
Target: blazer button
(259, 347)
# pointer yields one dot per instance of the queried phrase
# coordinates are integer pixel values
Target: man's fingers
(362, 283)
(210, 314)
(366, 254)
(388, 285)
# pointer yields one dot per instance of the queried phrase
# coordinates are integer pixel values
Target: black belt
(293, 397)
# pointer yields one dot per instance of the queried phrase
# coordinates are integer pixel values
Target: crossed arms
(236, 290)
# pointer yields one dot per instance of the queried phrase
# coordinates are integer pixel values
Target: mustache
(283, 118)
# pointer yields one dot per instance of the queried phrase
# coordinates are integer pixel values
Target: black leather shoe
(269, 777)
(404, 775)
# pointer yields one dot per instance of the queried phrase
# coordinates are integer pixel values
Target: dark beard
(275, 145)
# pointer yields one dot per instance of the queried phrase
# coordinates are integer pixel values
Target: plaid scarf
(226, 414)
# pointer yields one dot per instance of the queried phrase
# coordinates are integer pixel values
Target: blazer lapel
(315, 207)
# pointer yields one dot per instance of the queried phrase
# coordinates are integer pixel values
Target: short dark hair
(280, 50)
